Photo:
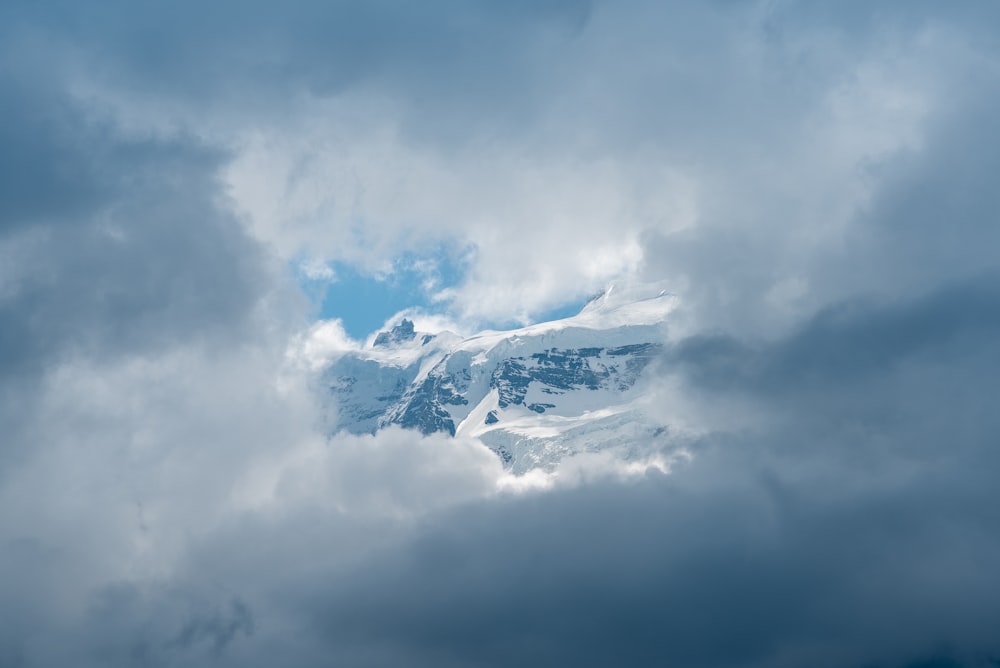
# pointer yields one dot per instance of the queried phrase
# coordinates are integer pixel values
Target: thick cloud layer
(851, 525)
(815, 183)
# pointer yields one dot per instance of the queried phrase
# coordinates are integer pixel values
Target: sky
(195, 199)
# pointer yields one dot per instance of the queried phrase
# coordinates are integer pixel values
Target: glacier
(534, 395)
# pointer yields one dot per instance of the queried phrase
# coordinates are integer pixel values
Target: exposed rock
(398, 334)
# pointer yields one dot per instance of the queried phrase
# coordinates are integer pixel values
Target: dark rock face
(423, 407)
(567, 369)
(401, 332)
(559, 371)
(374, 396)
(424, 411)
(504, 454)
(511, 379)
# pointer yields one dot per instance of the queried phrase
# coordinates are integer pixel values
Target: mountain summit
(534, 395)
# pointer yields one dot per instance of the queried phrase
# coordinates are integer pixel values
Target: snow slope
(534, 395)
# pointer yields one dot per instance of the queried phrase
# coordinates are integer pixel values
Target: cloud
(114, 244)
(813, 183)
(618, 156)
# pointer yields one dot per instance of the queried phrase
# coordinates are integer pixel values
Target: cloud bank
(814, 183)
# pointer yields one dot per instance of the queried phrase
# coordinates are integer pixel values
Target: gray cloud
(43, 156)
(850, 342)
(237, 51)
(112, 244)
(166, 499)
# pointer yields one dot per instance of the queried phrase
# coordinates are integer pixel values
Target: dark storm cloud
(110, 245)
(857, 17)
(729, 574)
(473, 55)
(158, 627)
(850, 343)
(114, 245)
(935, 216)
(48, 172)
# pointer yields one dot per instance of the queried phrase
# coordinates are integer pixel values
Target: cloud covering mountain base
(848, 519)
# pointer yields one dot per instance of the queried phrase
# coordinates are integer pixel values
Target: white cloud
(320, 344)
(317, 270)
(545, 228)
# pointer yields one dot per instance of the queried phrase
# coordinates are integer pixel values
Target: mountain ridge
(534, 394)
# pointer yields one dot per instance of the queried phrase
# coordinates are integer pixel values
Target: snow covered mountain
(534, 395)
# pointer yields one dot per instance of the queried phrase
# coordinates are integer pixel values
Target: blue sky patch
(364, 301)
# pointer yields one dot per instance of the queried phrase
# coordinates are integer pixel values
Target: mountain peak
(616, 295)
(398, 334)
(533, 395)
